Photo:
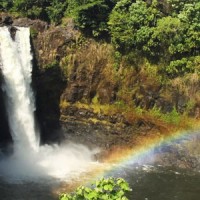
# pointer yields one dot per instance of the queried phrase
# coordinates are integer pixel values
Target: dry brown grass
(89, 55)
(188, 85)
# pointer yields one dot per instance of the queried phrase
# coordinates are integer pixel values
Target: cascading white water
(29, 159)
(16, 68)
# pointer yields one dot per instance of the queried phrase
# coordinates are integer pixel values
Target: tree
(131, 24)
(55, 10)
(178, 5)
(31, 8)
(5, 5)
(91, 16)
(169, 39)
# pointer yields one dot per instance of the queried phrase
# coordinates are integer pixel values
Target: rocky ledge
(8, 20)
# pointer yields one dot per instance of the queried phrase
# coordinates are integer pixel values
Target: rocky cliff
(84, 94)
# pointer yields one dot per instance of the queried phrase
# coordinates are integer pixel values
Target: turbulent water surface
(147, 183)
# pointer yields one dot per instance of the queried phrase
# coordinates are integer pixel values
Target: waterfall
(15, 61)
(30, 160)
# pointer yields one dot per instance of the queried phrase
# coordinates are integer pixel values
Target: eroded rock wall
(76, 79)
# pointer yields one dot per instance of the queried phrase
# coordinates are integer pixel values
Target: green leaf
(104, 189)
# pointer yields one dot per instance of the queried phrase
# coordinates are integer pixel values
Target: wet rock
(73, 93)
(182, 154)
(5, 135)
(94, 134)
(5, 20)
(13, 31)
(38, 25)
(51, 44)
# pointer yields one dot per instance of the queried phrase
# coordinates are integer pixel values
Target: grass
(88, 59)
(166, 121)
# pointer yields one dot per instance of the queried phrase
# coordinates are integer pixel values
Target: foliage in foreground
(108, 189)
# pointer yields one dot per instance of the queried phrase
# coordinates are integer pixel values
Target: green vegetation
(54, 64)
(166, 32)
(170, 39)
(108, 189)
(33, 33)
(172, 117)
(49, 10)
(91, 16)
(144, 48)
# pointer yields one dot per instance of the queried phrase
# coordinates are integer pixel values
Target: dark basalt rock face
(38, 25)
(5, 137)
(5, 20)
(49, 48)
(87, 127)
(12, 30)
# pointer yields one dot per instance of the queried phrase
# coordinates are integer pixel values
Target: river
(161, 183)
(147, 183)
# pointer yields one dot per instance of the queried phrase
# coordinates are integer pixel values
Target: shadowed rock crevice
(49, 87)
(5, 136)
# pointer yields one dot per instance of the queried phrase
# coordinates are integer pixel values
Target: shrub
(104, 189)
(33, 32)
(53, 64)
(55, 10)
(91, 16)
(172, 117)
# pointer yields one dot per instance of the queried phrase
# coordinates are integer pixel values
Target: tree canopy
(171, 38)
(165, 32)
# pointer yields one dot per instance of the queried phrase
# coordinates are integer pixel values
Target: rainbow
(137, 155)
(146, 150)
